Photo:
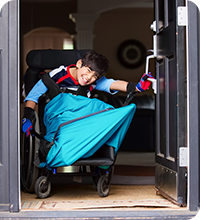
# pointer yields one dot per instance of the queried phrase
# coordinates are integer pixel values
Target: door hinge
(183, 156)
(182, 16)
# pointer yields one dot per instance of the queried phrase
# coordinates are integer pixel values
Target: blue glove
(26, 121)
(26, 126)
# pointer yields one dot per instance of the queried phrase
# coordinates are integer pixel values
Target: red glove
(144, 84)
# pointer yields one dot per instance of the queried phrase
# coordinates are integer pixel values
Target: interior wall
(114, 27)
(35, 15)
(46, 14)
(43, 38)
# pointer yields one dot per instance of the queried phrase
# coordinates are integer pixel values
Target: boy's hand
(26, 126)
(26, 121)
(144, 84)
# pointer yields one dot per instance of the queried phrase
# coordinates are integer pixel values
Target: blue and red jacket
(65, 80)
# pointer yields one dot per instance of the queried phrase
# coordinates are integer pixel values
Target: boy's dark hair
(96, 62)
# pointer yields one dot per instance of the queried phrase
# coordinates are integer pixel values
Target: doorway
(151, 188)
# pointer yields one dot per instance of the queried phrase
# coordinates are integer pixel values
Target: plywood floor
(132, 172)
(86, 198)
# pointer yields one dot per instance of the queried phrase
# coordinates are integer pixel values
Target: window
(68, 44)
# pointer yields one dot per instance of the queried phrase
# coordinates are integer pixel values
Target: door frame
(9, 101)
(193, 41)
(193, 97)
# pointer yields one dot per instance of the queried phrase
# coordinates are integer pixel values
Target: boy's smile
(86, 76)
(83, 74)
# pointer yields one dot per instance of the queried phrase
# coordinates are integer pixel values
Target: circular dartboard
(131, 53)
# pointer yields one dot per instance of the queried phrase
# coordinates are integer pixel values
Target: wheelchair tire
(29, 172)
(103, 186)
(28, 153)
(42, 187)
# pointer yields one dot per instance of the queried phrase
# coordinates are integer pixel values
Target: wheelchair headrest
(40, 60)
(51, 59)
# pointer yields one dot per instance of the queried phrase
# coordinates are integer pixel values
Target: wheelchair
(34, 179)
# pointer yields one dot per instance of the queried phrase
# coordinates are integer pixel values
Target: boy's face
(85, 76)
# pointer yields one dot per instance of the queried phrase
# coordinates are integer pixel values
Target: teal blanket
(78, 126)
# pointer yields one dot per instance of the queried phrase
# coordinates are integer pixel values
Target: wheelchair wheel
(42, 187)
(29, 151)
(103, 186)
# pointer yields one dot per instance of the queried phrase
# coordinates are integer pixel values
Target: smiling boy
(80, 79)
